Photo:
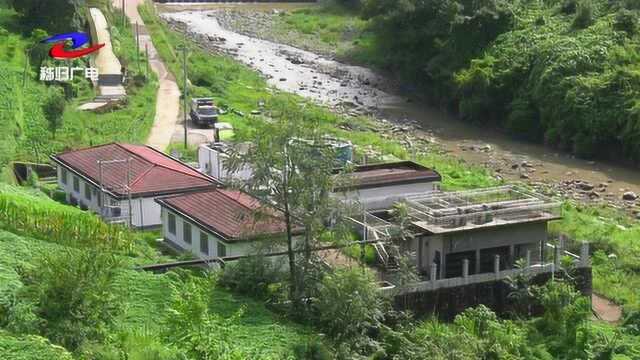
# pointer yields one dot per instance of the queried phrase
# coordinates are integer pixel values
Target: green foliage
(42, 218)
(584, 15)
(348, 305)
(53, 15)
(53, 109)
(608, 233)
(253, 276)
(30, 347)
(559, 72)
(71, 293)
(626, 21)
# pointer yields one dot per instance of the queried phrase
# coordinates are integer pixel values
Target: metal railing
(580, 261)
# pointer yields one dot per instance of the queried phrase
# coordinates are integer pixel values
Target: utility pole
(138, 46)
(146, 52)
(184, 87)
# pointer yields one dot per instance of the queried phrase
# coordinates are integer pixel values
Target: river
(358, 89)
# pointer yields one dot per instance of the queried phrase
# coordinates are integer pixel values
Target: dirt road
(168, 99)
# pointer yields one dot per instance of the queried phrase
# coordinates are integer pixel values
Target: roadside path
(605, 310)
(109, 82)
(168, 98)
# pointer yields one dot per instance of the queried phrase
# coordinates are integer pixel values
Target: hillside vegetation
(562, 72)
(31, 130)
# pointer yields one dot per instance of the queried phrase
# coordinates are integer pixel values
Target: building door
(487, 257)
(454, 261)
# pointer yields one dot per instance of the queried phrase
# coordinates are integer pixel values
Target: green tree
(293, 167)
(348, 305)
(52, 15)
(53, 109)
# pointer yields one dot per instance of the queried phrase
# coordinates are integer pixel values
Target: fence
(579, 261)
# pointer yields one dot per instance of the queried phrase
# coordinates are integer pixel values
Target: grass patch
(610, 233)
(146, 303)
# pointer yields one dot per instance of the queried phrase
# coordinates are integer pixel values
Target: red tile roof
(231, 214)
(393, 173)
(151, 172)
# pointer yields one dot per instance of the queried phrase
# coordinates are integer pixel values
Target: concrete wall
(520, 237)
(211, 162)
(446, 303)
(178, 240)
(145, 211)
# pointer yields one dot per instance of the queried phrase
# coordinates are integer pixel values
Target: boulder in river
(629, 196)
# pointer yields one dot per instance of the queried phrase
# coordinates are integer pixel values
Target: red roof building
(148, 172)
(389, 174)
(230, 215)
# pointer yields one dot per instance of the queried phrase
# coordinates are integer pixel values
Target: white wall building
(121, 181)
(219, 223)
(379, 186)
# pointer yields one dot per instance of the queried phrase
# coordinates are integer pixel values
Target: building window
(87, 191)
(204, 243)
(186, 232)
(172, 224)
(222, 249)
(76, 184)
(63, 175)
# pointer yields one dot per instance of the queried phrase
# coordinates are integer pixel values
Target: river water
(347, 87)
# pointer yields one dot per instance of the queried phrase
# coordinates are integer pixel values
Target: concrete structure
(120, 181)
(379, 186)
(110, 88)
(212, 157)
(476, 226)
(221, 222)
(457, 233)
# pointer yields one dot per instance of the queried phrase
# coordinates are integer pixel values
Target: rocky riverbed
(354, 91)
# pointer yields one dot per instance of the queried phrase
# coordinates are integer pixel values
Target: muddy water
(357, 88)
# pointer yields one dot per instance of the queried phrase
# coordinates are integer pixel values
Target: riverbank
(355, 91)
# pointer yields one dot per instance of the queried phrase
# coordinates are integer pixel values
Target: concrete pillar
(512, 254)
(528, 263)
(561, 241)
(496, 265)
(557, 254)
(465, 268)
(433, 273)
(584, 255)
(477, 261)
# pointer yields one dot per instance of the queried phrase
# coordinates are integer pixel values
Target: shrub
(626, 21)
(584, 15)
(252, 276)
(348, 304)
(312, 350)
(71, 293)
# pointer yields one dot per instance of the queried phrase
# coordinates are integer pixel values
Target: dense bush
(564, 73)
(70, 296)
(253, 276)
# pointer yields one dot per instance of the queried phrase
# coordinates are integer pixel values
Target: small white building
(120, 181)
(219, 223)
(379, 186)
(212, 158)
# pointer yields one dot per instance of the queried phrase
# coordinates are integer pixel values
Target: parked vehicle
(203, 112)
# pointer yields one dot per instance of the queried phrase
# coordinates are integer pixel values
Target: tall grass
(47, 220)
(615, 240)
